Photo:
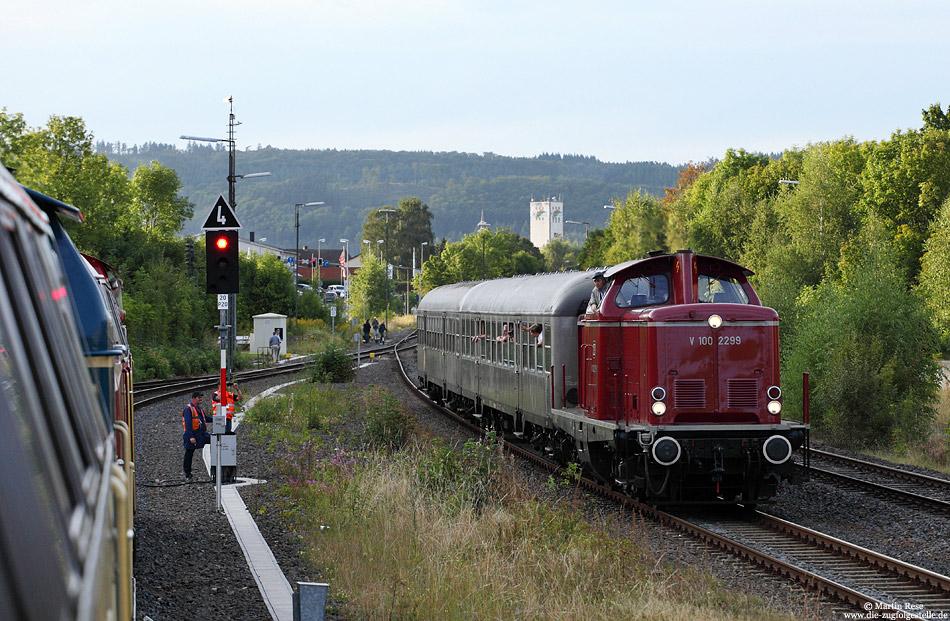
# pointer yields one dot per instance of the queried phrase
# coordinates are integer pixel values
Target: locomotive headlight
(658, 393)
(714, 321)
(775, 407)
(659, 408)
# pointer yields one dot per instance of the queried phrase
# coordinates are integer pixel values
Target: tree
(481, 255)
(594, 251)
(820, 215)
(156, 206)
(636, 228)
(267, 286)
(368, 288)
(935, 275)
(905, 180)
(869, 347)
(936, 118)
(685, 180)
(559, 255)
(409, 226)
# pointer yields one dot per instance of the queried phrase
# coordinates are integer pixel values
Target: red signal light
(221, 243)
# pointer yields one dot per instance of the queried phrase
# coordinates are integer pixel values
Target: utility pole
(387, 212)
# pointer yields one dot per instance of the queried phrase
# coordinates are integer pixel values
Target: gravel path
(189, 565)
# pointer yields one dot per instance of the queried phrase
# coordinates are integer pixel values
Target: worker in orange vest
(234, 394)
(195, 434)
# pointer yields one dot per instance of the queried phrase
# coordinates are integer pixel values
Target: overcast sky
(629, 80)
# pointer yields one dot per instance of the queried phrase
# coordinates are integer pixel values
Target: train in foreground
(670, 390)
(67, 490)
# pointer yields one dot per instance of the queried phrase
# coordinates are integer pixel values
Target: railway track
(843, 572)
(882, 481)
(150, 391)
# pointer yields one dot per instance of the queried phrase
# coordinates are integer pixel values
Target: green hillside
(456, 186)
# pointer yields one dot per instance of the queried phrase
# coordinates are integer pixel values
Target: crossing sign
(221, 217)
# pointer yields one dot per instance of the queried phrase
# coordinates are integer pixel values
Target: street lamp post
(586, 227)
(229, 317)
(422, 262)
(387, 212)
(297, 251)
(379, 250)
(367, 244)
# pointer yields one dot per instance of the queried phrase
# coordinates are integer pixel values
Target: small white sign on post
(218, 424)
(333, 311)
(222, 301)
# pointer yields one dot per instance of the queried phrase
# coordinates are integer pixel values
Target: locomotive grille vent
(743, 393)
(689, 394)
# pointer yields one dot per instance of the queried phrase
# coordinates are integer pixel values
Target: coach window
(545, 349)
(495, 342)
(467, 336)
(643, 291)
(721, 289)
(469, 343)
(523, 339)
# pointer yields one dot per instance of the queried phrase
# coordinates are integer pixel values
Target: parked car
(339, 290)
(329, 296)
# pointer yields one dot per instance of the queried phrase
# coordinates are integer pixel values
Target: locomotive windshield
(643, 291)
(721, 289)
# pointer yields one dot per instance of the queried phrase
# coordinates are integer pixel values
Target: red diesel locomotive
(669, 390)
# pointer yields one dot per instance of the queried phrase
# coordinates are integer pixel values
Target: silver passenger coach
(474, 344)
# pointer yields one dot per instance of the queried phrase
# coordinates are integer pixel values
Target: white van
(339, 290)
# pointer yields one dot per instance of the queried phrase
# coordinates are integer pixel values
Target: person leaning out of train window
(597, 294)
(535, 331)
(234, 395)
(481, 335)
(506, 333)
(195, 434)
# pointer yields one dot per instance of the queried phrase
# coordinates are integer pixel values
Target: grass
(435, 532)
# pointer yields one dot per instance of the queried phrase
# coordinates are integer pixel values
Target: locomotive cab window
(643, 291)
(721, 289)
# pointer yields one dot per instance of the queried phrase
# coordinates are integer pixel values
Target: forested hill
(456, 186)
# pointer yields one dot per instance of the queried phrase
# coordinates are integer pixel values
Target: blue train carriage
(66, 524)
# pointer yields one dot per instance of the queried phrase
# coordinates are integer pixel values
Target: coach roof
(559, 294)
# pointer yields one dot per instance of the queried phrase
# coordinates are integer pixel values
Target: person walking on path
(382, 332)
(195, 434)
(275, 345)
(375, 325)
(366, 329)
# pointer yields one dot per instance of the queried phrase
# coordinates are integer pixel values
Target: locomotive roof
(617, 269)
(558, 294)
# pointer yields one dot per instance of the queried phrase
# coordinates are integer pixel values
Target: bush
(388, 424)
(462, 478)
(332, 364)
(150, 363)
(869, 347)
